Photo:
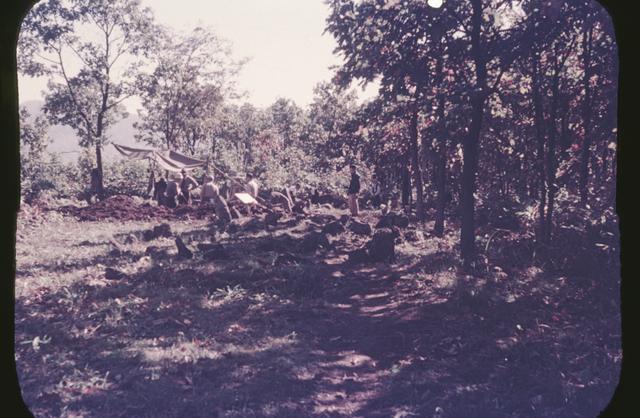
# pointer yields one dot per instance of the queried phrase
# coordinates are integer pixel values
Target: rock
(162, 230)
(299, 207)
(286, 259)
(361, 255)
(156, 253)
(360, 228)
(183, 250)
(213, 251)
(113, 274)
(382, 245)
(385, 221)
(333, 228)
(272, 218)
(148, 235)
(130, 239)
(313, 241)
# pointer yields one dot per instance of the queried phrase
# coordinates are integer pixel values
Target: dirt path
(242, 337)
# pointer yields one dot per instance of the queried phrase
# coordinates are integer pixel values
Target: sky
(284, 40)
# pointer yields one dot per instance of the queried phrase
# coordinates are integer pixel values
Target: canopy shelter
(168, 160)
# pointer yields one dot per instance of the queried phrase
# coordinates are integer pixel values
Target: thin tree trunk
(471, 142)
(441, 170)
(551, 157)
(586, 114)
(415, 161)
(540, 136)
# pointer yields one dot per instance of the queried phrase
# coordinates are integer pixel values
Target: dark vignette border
(10, 19)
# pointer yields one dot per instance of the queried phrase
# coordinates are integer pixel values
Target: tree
(89, 50)
(184, 93)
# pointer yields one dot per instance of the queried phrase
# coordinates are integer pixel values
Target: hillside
(65, 142)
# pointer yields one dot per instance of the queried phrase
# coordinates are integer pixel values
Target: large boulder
(313, 241)
(382, 245)
(333, 228)
(156, 252)
(360, 228)
(162, 230)
(183, 251)
(360, 255)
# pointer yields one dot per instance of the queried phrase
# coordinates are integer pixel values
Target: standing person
(186, 184)
(353, 190)
(172, 192)
(159, 189)
(209, 190)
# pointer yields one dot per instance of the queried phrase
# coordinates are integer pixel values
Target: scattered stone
(333, 228)
(360, 255)
(162, 230)
(148, 235)
(113, 274)
(130, 239)
(360, 228)
(313, 241)
(157, 253)
(299, 207)
(183, 250)
(382, 245)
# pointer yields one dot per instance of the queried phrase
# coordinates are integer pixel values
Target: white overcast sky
(283, 39)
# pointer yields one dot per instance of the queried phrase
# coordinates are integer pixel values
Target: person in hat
(353, 190)
(209, 190)
(187, 183)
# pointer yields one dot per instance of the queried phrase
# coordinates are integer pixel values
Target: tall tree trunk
(415, 162)
(441, 170)
(586, 112)
(540, 136)
(551, 156)
(470, 144)
(100, 190)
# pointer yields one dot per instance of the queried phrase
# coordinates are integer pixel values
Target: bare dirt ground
(264, 329)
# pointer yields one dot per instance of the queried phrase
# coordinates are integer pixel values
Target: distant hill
(65, 141)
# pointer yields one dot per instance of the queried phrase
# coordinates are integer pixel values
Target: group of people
(177, 190)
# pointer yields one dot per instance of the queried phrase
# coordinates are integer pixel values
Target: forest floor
(253, 333)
